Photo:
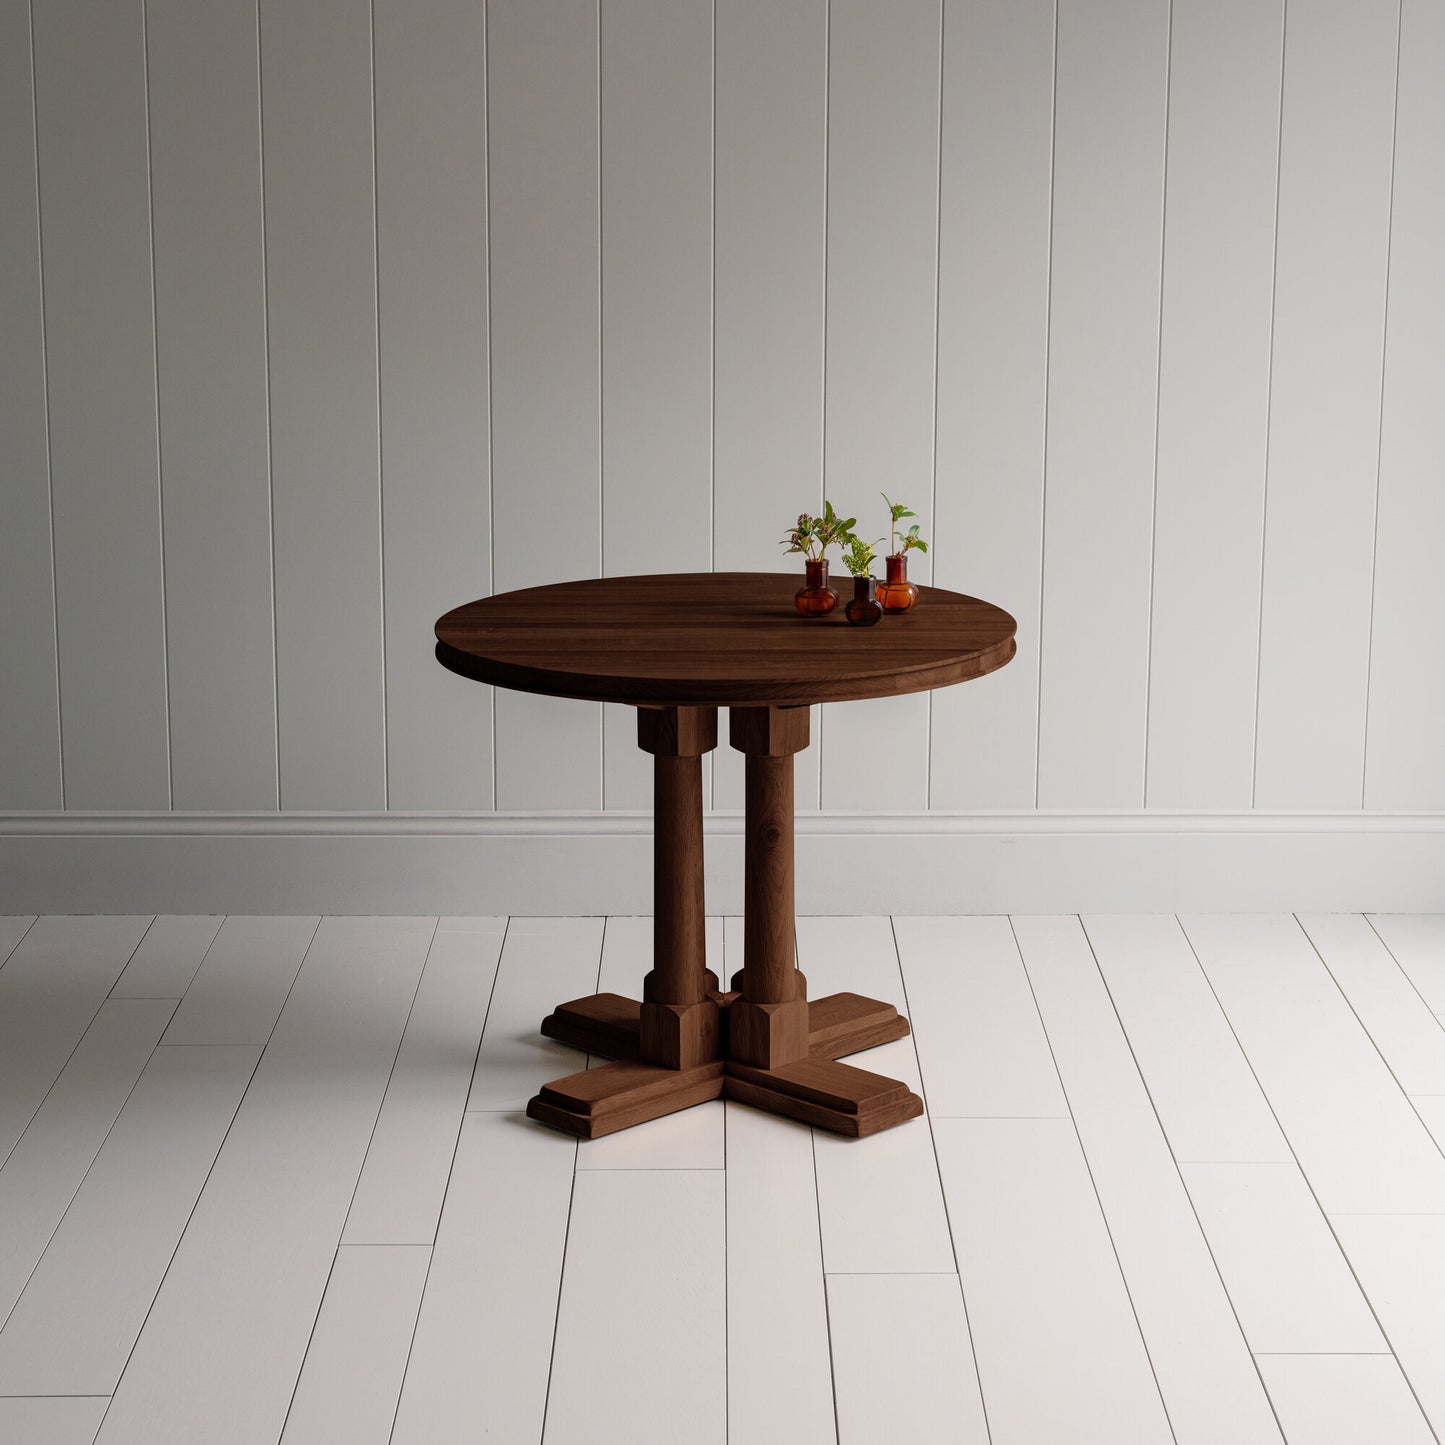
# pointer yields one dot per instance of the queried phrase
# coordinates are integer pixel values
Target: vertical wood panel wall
(318, 316)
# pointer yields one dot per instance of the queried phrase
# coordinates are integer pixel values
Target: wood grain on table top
(719, 638)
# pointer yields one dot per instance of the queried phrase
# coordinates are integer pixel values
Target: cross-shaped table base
(686, 1041)
(815, 1089)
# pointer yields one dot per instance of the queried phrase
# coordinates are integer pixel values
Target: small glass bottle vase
(897, 593)
(815, 598)
(864, 610)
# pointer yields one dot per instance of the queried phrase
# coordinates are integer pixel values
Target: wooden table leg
(679, 1022)
(768, 1022)
(781, 1047)
(668, 1043)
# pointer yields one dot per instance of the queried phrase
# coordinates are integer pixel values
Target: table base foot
(608, 1023)
(600, 1101)
(848, 1023)
(602, 1023)
(824, 1093)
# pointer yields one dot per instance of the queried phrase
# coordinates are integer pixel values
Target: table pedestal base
(764, 1042)
(816, 1090)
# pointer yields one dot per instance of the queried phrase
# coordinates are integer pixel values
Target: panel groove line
(208, 255)
(1158, 374)
(1380, 423)
(996, 155)
(30, 723)
(321, 285)
(656, 125)
(156, 398)
(1110, 125)
(1403, 760)
(544, 239)
(92, 145)
(883, 187)
(1268, 415)
(1212, 430)
(1043, 547)
(933, 436)
(435, 433)
(270, 441)
(380, 470)
(1325, 403)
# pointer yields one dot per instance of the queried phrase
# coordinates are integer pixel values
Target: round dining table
(678, 648)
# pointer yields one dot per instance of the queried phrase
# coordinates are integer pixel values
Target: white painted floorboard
(1411, 1040)
(53, 1419)
(1344, 1400)
(352, 1376)
(880, 1205)
(51, 988)
(482, 1351)
(13, 927)
(71, 1332)
(237, 993)
(1361, 1145)
(399, 1195)
(45, 1168)
(166, 962)
(1208, 1100)
(639, 1356)
(1291, 1287)
(775, 1287)
(1200, 1358)
(221, 1351)
(545, 961)
(978, 1033)
(1060, 1356)
(1151, 1150)
(912, 1379)
(1417, 942)
(1400, 1261)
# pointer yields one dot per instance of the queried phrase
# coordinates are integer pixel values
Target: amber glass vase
(864, 610)
(815, 598)
(897, 593)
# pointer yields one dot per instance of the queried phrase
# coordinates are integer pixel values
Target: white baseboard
(596, 863)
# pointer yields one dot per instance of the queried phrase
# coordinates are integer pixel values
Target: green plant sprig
(911, 540)
(812, 536)
(858, 555)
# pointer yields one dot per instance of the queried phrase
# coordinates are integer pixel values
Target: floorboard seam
(80, 1184)
(390, 1075)
(200, 1193)
(451, 1169)
(1365, 1029)
(81, 1039)
(1179, 1173)
(1289, 1144)
(10, 953)
(1093, 1183)
(938, 1170)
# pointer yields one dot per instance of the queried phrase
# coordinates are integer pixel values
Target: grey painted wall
(321, 317)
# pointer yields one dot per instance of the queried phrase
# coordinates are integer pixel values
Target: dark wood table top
(716, 638)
